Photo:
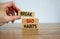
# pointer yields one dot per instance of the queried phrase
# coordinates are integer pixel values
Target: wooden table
(15, 31)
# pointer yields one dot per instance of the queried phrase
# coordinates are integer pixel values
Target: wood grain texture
(14, 31)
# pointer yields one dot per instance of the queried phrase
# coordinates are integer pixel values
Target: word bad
(29, 20)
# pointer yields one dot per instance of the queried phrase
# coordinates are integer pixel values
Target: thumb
(11, 18)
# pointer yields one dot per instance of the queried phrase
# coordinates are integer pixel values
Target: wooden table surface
(15, 31)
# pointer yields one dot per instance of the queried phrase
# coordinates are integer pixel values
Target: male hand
(8, 12)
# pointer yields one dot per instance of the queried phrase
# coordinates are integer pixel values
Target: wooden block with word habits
(30, 23)
(26, 14)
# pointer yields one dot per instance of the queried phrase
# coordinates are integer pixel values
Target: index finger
(15, 8)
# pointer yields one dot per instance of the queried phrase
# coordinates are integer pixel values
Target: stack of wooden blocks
(28, 20)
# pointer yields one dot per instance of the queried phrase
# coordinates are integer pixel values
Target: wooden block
(30, 23)
(26, 14)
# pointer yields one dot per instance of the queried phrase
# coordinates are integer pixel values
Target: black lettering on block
(26, 13)
(30, 26)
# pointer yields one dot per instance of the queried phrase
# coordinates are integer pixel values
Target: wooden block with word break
(26, 14)
(30, 23)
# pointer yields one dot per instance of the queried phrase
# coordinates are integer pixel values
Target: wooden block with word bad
(26, 14)
(30, 23)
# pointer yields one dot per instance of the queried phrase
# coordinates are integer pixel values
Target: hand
(8, 12)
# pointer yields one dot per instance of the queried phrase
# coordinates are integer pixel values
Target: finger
(11, 18)
(15, 8)
(13, 21)
(10, 13)
(9, 9)
(14, 18)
